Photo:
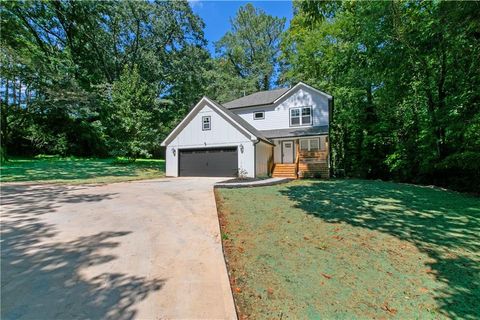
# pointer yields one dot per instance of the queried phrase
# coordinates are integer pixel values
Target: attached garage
(212, 141)
(211, 162)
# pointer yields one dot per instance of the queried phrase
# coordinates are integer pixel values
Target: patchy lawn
(80, 170)
(352, 249)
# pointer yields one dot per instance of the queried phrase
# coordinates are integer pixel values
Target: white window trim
(260, 111)
(204, 123)
(301, 124)
(308, 144)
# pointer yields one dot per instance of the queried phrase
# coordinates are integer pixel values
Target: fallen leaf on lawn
(327, 276)
(389, 309)
(270, 291)
(429, 271)
(238, 290)
(423, 290)
(306, 238)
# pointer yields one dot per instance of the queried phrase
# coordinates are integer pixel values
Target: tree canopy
(248, 55)
(58, 57)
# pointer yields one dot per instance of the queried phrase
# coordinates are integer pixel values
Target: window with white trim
(259, 115)
(206, 123)
(301, 116)
(312, 144)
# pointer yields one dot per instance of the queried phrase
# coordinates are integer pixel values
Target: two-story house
(282, 132)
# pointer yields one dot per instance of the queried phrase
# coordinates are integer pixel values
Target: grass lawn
(344, 249)
(79, 170)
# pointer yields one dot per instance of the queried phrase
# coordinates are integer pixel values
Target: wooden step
(277, 175)
(282, 170)
(285, 170)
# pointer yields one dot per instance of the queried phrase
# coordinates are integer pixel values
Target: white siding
(263, 152)
(221, 134)
(278, 116)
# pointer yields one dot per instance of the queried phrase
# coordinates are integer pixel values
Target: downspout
(255, 157)
(330, 120)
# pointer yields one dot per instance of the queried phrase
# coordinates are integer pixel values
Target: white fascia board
(180, 125)
(252, 136)
(295, 87)
(195, 110)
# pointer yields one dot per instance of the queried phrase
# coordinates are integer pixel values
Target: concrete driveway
(144, 250)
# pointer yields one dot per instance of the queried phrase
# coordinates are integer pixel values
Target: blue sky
(217, 14)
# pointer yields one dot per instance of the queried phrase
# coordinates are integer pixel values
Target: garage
(213, 162)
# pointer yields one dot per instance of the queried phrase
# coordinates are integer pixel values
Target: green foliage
(247, 55)
(131, 116)
(58, 58)
(405, 80)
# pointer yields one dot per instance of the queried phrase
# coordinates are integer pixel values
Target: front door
(287, 152)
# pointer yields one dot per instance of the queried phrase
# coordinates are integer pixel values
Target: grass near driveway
(346, 249)
(80, 170)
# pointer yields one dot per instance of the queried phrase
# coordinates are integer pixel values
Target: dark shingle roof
(256, 99)
(242, 122)
(295, 132)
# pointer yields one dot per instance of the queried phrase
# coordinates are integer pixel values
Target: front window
(206, 123)
(310, 144)
(301, 116)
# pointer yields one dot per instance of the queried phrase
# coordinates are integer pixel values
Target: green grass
(80, 170)
(352, 249)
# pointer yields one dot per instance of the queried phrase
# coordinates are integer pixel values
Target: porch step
(284, 170)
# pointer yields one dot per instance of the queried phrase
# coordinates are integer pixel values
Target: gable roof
(244, 123)
(256, 99)
(269, 97)
(228, 115)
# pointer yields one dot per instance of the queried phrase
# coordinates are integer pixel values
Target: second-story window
(301, 116)
(206, 123)
(259, 115)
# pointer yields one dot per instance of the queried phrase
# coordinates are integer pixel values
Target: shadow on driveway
(41, 276)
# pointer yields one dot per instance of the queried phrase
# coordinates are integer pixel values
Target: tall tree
(131, 116)
(251, 49)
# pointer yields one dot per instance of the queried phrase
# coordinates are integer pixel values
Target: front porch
(306, 157)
